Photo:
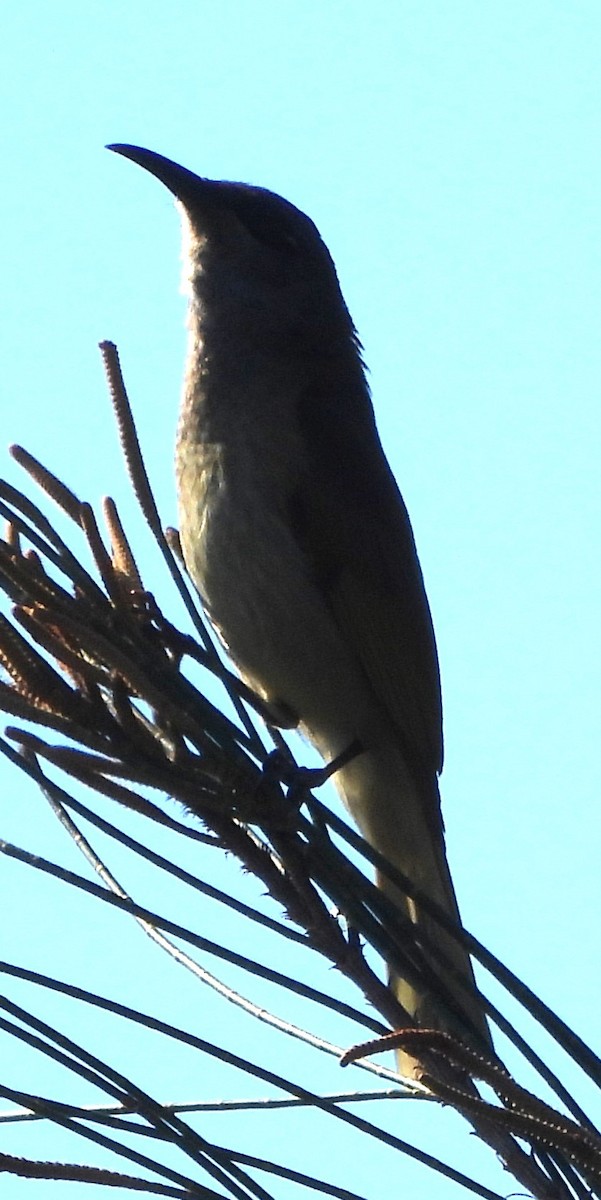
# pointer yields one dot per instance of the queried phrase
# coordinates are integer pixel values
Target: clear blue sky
(450, 154)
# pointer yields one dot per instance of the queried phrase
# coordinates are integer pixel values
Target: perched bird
(295, 534)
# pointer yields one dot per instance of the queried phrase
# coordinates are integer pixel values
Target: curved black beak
(184, 184)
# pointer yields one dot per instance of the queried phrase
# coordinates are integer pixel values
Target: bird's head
(248, 249)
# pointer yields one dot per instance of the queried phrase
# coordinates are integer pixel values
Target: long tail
(391, 815)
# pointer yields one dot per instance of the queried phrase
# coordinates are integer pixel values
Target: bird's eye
(270, 232)
(268, 222)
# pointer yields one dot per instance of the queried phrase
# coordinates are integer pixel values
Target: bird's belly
(235, 556)
(258, 590)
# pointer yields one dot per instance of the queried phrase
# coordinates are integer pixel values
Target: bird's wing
(351, 521)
